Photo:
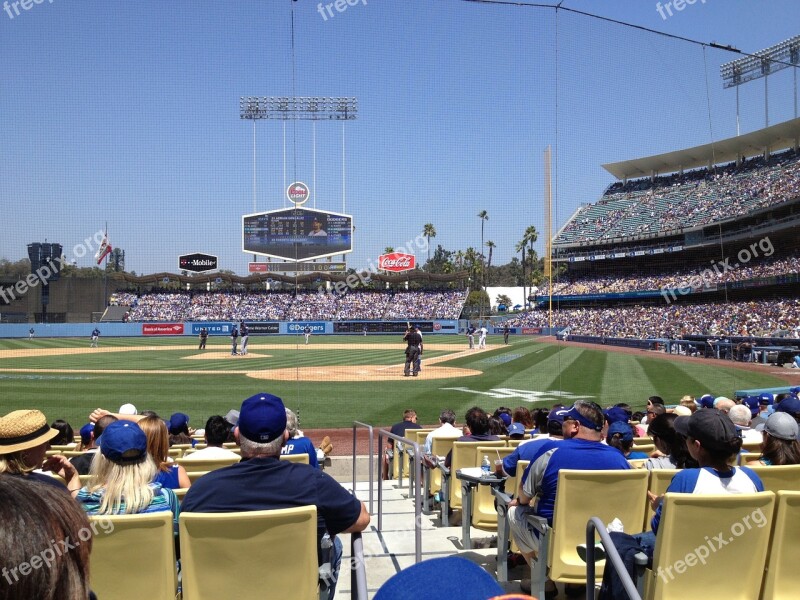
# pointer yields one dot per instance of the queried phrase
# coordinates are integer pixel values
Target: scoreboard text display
(297, 234)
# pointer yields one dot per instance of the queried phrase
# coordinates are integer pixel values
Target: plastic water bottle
(486, 466)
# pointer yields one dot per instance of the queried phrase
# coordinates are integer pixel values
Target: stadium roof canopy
(775, 138)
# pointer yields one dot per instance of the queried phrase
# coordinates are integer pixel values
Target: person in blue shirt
(297, 442)
(531, 450)
(620, 436)
(712, 441)
(582, 449)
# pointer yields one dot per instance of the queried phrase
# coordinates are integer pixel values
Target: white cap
(127, 409)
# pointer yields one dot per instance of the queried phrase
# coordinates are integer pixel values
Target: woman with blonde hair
(167, 474)
(688, 402)
(121, 476)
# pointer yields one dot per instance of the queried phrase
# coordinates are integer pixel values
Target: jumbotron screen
(297, 233)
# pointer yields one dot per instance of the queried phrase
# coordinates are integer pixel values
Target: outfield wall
(222, 328)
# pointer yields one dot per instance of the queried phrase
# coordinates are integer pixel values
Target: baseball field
(337, 379)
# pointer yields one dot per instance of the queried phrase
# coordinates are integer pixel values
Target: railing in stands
(382, 434)
(596, 525)
(356, 425)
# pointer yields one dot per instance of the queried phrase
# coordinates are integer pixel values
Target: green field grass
(527, 372)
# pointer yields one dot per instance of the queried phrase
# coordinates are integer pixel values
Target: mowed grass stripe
(719, 380)
(624, 380)
(670, 380)
(583, 374)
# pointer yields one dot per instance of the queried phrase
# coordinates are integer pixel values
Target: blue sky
(127, 112)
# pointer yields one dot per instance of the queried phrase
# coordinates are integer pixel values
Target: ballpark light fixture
(288, 108)
(762, 63)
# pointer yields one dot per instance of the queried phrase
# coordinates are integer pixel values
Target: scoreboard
(297, 234)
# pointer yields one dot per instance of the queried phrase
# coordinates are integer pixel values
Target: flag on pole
(104, 250)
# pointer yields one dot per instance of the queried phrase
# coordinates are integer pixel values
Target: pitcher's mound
(223, 356)
(360, 373)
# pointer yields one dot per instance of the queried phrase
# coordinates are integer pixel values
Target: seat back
(646, 448)
(515, 443)
(195, 475)
(212, 464)
(703, 535)
(440, 447)
(779, 477)
(133, 556)
(249, 555)
(783, 577)
(464, 455)
(657, 484)
(618, 494)
(752, 447)
(484, 513)
(296, 458)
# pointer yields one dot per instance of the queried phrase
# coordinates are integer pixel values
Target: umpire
(414, 341)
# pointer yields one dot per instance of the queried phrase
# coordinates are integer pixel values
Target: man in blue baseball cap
(261, 481)
(582, 448)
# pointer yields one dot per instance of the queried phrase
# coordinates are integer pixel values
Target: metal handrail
(596, 525)
(358, 573)
(417, 492)
(357, 424)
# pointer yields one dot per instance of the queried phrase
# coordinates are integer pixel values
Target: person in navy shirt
(261, 481)
(712, 441)
(531, 450)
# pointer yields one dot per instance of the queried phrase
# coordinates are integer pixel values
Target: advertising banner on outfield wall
(162, 328)
(263, 328)
(214, 328)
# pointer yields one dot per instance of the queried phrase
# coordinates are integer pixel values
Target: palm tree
(388, 250)
(491, 246)
(459, 258)
(483, 216)
(528, 240)
(429, 231)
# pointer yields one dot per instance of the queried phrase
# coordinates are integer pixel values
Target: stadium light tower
(762, 64)
(286, 108)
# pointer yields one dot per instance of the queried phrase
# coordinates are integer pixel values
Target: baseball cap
(516, 429)
(789, 405)
(177, 422)
(616, 414)
(124, 443)
(86, 432)
(557, 415)
(574, 414)
(426, 580)
(766, 399)
(782, 426)
(127, 409)
(505, 418)
(795, 389)
(705, 401)
(262, 418)
(711, 427)
(752, 403)
(232, 417)
(621, 428)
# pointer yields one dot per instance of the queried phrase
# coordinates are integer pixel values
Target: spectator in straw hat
(24, 438)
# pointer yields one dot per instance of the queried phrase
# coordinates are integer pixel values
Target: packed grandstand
(286, 306)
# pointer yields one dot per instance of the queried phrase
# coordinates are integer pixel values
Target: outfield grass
(527, 372)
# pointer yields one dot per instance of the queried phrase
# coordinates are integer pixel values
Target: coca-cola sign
(396, 262)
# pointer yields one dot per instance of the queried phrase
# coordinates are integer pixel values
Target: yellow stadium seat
(783, 577)
(296, 458)
(205, 465)
(779, 477)
(250, 555)
(504, 539)
(464, 455)
(657, 484)
(135, 559)
(484, 513)
(689, 559)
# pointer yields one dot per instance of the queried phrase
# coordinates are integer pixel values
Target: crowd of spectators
(607, 284)
(691, 199)
(282, 306)
(756, 318)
